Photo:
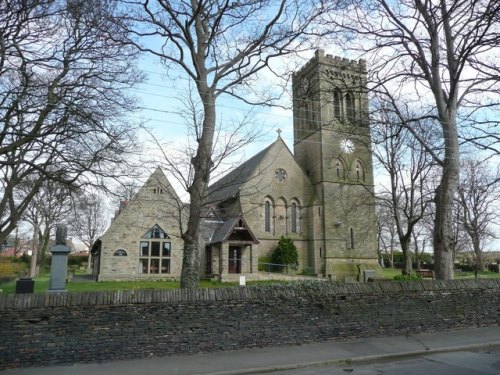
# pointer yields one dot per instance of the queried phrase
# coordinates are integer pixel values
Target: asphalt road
(482, 362)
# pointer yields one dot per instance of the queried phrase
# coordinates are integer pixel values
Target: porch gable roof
(234, 230)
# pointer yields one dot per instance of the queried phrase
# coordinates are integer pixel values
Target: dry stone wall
(45, 329)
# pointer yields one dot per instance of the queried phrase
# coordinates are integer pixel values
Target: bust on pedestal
(59, 264)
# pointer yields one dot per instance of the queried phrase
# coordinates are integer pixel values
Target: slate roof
(223, 230)
(208, 228)
(229, 185)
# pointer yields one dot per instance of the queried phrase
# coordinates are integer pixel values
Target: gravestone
(369, 275)
(59, 264)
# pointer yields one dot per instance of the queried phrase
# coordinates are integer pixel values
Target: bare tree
(230, 137)
(386, 228)
(221, 46)
(63, 82)
(90, 219)
(478, 197)
(125, 191)
(50, 206)
(407, 164)
(459, 242)
(416, 247)
(441, 51)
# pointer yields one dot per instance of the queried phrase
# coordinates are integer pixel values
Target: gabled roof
(229, 185)
(156, 191)
(234, 230)
(160, 180)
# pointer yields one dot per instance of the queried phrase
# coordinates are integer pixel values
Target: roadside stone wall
(43, 329)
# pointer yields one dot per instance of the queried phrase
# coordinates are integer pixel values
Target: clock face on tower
(304, 86)
(347, 146)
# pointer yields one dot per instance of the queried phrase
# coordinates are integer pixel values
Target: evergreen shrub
(286, 253)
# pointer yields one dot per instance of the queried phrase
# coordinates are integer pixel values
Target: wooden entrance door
(234, 264)
(208, 259)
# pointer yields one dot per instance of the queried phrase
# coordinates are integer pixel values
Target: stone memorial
(59, 264)
(369, 275)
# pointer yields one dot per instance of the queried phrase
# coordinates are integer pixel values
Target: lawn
(389, 273)
(42, 283)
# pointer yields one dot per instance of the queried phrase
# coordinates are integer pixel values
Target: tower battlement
(355, 66)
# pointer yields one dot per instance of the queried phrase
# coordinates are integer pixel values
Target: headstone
(243, 280)
(369, 274)
(59, 264)
(25, 285)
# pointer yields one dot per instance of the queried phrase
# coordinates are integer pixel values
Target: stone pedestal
(58, 268)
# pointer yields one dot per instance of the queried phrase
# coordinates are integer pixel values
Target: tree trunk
(190, 275)
(405, 247)
(34, 254)
(44, 248)
(202, 164)
(443, 251)
(391, 255)
(417, 254)
(479, 258)
(445, 193)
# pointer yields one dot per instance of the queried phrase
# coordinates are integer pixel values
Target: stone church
(321, 196)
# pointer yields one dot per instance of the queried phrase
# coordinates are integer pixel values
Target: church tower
(332, 144)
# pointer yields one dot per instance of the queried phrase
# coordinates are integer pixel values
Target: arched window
(359, 171)
(120, 253)
(339, 168)
(337, 104)
(154, 252)
(155, 232)
(350, 107)
(280, 226)
(312, 116)
(307, 114)
(294, 217)
(267, 216)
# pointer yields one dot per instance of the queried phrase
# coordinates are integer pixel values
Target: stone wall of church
(151, 206)
(43, 329)
(280, 181)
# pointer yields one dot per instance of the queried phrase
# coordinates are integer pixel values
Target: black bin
(25, 286)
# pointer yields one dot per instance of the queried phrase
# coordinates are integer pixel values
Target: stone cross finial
(279, 132)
